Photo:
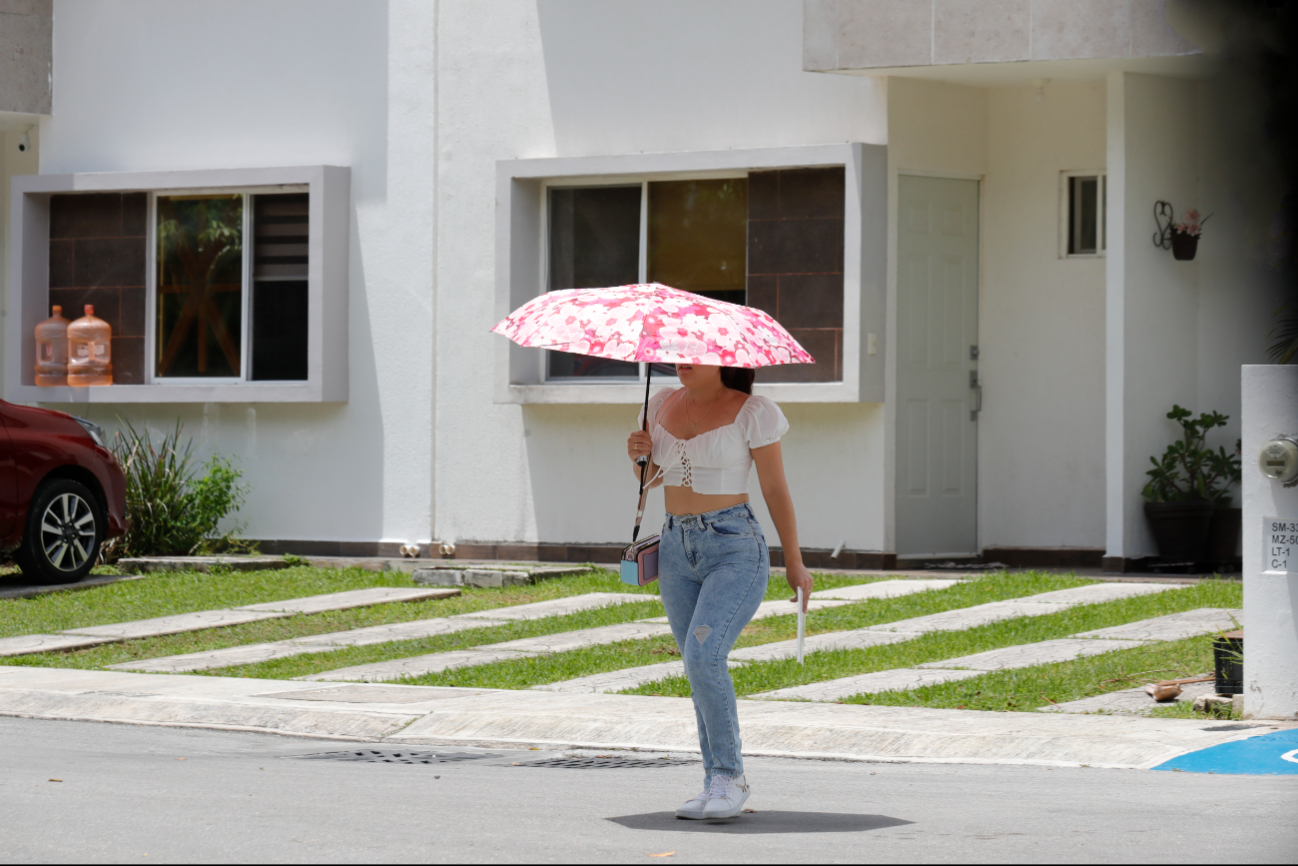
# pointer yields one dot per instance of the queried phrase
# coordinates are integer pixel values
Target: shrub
(1191, 470)
(173, 510)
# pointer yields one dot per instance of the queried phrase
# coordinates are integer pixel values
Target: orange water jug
(90, 350)
(52, 350)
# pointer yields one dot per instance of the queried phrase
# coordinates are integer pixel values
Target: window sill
(631, 393)
(243, 392)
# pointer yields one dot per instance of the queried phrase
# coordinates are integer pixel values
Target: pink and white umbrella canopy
(652, 323)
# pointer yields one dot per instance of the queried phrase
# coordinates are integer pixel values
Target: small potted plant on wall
(1187, 488)
(1185, 236)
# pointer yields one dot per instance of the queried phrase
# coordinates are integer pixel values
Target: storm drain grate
(1233, 728)
(606, 763)
(376, 757)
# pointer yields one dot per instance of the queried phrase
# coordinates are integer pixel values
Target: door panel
(937, 324)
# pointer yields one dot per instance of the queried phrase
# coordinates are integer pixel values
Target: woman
(712, 562)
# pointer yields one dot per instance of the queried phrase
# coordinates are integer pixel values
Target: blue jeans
(712, 573)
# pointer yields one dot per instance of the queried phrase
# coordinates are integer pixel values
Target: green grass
(937, 646)
(182, 592)
(524, 673)
(304, 665)
(1034, 687)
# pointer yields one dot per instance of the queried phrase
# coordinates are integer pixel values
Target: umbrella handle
(643, 462)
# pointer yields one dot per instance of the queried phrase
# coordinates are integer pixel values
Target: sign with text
(1279, 545)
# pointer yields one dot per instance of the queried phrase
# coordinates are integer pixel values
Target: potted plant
(1187, 486)
(1185, 236)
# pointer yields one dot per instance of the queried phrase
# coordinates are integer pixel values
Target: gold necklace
(694, 425)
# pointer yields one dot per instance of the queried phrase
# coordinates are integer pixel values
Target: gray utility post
(1270, 490)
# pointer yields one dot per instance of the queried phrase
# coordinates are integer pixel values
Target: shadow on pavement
(763, 821)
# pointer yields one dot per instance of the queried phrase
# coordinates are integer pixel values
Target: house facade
(950, 204)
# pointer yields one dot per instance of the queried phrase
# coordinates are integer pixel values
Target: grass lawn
(821, 666)
(1031, 688)
(524, 673)
(182, 592)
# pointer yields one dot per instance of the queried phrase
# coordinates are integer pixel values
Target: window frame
(642, 276)
(1065, 212)
(327, 285)
(151, 284)
(522, 260)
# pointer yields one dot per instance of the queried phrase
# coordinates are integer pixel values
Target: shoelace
(720, 789)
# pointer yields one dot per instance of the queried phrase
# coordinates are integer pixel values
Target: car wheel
(65, 526)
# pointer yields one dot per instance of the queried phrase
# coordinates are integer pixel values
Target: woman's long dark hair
(738, 379)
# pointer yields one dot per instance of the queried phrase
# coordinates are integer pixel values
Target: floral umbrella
(652, 323)
(655, 324)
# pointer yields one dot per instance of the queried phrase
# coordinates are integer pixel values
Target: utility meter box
(1270, 499)
(1279, 459)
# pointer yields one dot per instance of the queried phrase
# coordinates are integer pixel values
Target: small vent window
(1083, 199)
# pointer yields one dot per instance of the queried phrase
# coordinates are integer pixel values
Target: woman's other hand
(799, 577)
(639, 444)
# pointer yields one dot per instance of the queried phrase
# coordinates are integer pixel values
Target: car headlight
(93, 430)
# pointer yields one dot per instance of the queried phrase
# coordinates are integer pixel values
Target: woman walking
(713, 565)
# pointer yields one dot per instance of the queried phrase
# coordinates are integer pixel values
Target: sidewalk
(498, 718)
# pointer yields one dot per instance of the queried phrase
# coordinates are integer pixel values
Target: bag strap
(644, 485)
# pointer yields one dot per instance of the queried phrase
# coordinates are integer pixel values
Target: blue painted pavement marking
(1271, 754)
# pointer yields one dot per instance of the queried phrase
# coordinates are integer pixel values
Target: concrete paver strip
(781, 607)
(523, 648)
(883, 589)
(413, 630)
(367, 693)
(1029, 654)
(616, 681)
(586, 637)
(834, 640)
(177, 623)
(556, 606)
(253, 653)
(972, 617)
(416, 666)
(44, 643)
(894, 680)
(531, 717)
(1128, 701)
(1173, 626)
(1098, 592)
(91, 582)
(351, 599)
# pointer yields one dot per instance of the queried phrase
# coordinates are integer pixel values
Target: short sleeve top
(720, 460)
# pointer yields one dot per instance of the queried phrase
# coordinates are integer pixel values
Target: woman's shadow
(763, 821)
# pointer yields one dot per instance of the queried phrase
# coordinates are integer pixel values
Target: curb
(500, 718)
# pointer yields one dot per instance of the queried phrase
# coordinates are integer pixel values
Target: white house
(950, 202)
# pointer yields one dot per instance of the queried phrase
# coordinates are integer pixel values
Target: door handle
(978, 395)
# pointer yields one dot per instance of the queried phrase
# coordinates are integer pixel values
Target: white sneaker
(694, 808)
(726, 797)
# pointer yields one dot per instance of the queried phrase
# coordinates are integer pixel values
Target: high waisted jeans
(712, 572)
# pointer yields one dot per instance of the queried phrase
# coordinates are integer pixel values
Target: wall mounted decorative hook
(1163, 216)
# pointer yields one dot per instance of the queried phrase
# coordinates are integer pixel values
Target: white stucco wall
(1041, 434)
(170, 84)
(1178, 332)
(577, 78)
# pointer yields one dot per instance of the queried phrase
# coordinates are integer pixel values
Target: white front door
(937, 367)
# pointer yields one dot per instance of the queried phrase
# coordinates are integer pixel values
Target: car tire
(65, 526)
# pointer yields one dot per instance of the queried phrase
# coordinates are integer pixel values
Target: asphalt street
(147, 794)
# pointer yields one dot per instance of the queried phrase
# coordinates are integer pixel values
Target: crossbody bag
(639, 564)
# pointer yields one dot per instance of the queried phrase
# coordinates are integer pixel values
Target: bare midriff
(683, 500)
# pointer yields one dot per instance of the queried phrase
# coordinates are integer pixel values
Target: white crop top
(718, 461)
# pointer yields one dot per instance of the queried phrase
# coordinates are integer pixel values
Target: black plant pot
(1184, 246)
(1180, 529)
(1223, 538)
(1228, 663)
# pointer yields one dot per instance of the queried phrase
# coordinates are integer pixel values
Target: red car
(62, 493)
